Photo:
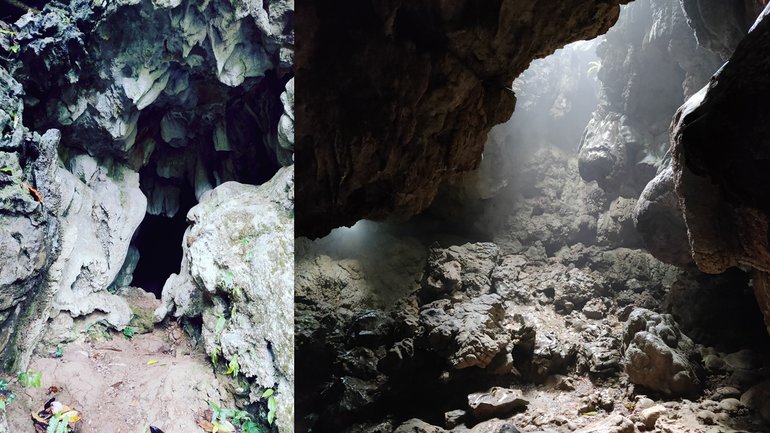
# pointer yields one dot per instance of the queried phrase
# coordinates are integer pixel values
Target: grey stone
(758, 398)
(417, 426)
(650, 416)
(454, 418)
(101, 210)
(611, 424)
(496, 402)
(656, 354)
(239, 252)
(469, 333)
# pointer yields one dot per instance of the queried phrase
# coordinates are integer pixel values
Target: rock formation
(723, 202)
(429, 83)
(236, 275)
(111, 112)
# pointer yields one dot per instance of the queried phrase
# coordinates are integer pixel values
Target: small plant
(15, 47)
(6, 396)
(269, 394)
(227, 280)
(59, 352)
(6, 170)
(240, 419)
(221, 322)
(59, 423)
(233, 367)
(129, 332)
(215, 356)
(30, 378)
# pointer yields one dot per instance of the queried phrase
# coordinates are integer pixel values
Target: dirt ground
(123, 385)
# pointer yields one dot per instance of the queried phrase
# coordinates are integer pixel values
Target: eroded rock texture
(430, 81)
(237, 275)
(29, 228)
(648, 65)
(146, 103)
(657, 354)
(722, 193)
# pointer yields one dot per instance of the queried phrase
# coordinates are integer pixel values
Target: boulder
(497, 402)
(468, 333)
(238, 268)
(656, 354)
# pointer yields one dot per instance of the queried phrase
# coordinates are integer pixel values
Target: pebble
(726, 392)
(730, 405)
(650, 415)
(713, 363)
(708, 417)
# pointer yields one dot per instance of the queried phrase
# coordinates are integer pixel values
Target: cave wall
(138, 98)
(719, 147)
(649, 64)
(430, 81)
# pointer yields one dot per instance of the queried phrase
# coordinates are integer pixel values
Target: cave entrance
(159, 242)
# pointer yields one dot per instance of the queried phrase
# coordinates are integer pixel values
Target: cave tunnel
(159, 242)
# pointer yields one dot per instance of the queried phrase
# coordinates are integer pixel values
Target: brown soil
(122, 386)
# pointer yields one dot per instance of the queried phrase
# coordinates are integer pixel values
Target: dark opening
(11, 10)
(159, 241)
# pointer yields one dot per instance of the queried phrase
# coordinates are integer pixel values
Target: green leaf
(15, 48)
(6, 170)
(221, 322)
(233, 367)
(59, 352)
(250, 427)
(271, 407)
(7, 32)
(129, 332)
(30, 378)
(268, 392)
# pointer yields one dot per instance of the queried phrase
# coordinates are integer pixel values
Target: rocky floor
(561, 324)
(123, 385)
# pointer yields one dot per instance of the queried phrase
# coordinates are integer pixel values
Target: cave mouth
(159, 243)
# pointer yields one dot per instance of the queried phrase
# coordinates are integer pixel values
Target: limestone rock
(659, 220)
(462, 267)
(616, 226)
(468, 333)
(100, 213)
(650, 415)
(656, 354)
(29, 226)
(417, 426)
(611, 424)
(387, 121)
(652, 52)
(497, 402)
(237, 265)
